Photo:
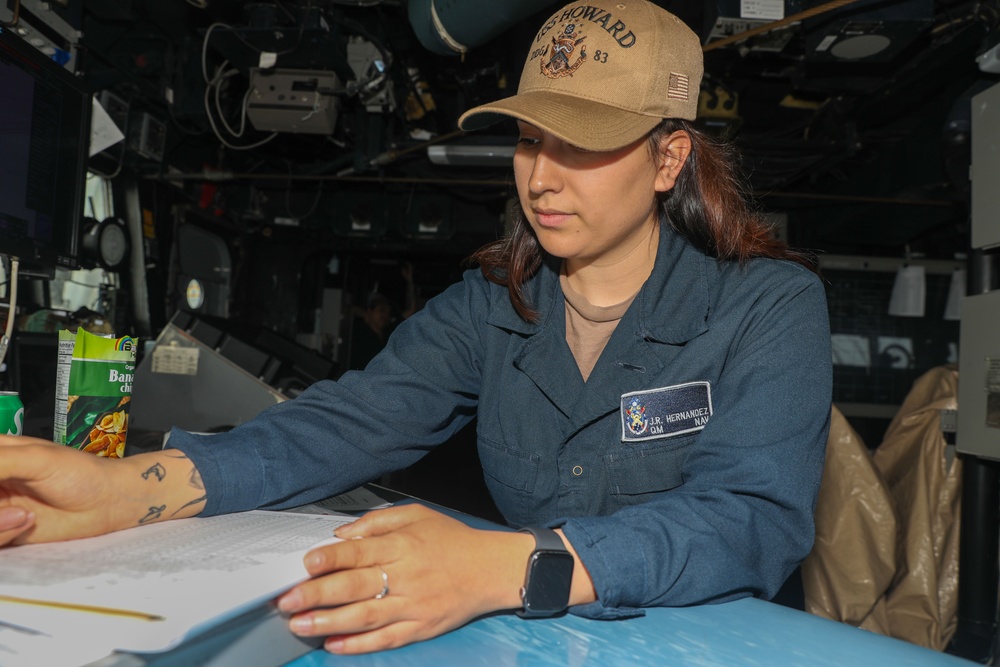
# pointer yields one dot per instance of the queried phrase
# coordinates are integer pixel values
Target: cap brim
(584, 123)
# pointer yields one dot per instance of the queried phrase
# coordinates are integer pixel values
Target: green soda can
(11, 413)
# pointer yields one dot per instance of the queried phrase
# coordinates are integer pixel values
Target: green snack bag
(93, 391)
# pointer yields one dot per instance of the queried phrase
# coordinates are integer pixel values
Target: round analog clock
(106, 243)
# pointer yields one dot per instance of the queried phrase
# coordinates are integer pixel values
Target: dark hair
(707, 205)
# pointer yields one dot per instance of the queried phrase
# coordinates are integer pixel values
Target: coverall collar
(657, 316)
(675, 316)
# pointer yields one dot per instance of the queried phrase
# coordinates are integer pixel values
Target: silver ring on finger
(385, 583)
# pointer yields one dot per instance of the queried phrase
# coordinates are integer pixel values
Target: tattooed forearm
(153, 514)
(194, 479)
(193, 502)
(156, 470)
(182, 473)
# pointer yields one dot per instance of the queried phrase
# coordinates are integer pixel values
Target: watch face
(550, 575)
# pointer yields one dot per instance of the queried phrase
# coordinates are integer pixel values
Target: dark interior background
(853, 121)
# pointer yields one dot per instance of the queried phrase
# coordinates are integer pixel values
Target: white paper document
(358, 500)
(148, 588)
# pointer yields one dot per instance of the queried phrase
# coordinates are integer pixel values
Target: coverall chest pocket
(508, 466)
(634, 474)
(511, 476)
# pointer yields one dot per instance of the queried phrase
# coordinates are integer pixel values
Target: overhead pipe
(230, 176)
(453, 27)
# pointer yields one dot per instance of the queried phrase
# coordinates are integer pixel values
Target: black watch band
(545, 539)
(548, 576)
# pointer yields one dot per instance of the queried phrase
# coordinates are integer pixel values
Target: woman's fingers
(14, 521)
(346, 555)
(376, 625)
(339, 588)
(380, 522)
(401, 576)
(349, 619)
(383, 639)
(15, 518)
(374, 539)
(15, 440)
(372, 624)
(343, 572)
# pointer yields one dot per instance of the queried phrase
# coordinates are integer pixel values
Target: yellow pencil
(83, 607)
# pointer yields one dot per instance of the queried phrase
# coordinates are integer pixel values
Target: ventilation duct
(452, 27)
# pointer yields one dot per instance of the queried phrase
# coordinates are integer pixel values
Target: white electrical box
(297, 101)
(979, 341)
(985, 170)
(979, 376)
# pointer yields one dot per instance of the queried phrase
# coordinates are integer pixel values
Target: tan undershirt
(589, 327)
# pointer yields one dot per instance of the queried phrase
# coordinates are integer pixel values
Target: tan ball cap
(602, 74)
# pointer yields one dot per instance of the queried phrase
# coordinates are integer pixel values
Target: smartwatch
(548, 577)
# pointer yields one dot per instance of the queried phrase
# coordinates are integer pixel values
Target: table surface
(743, 633)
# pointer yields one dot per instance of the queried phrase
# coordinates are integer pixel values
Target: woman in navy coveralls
(676, 446)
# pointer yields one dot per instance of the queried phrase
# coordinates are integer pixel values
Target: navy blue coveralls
(685, 470)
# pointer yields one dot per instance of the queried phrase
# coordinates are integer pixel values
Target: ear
(673, 153)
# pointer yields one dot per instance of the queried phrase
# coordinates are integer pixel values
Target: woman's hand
(439, 573)
(50, 492)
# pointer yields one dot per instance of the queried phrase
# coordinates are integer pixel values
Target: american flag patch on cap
(678, 86)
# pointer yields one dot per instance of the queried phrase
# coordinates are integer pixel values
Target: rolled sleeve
(416, 393)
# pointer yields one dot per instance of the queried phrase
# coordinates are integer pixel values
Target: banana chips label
(93, 391)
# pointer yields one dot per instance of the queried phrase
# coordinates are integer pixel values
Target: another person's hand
(50, 492)
(439, 573)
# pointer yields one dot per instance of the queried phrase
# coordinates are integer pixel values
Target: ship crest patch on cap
(564, 46)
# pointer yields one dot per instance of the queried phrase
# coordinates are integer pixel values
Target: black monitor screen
(44, 136)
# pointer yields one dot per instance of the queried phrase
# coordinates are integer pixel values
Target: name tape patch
(665, 412)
